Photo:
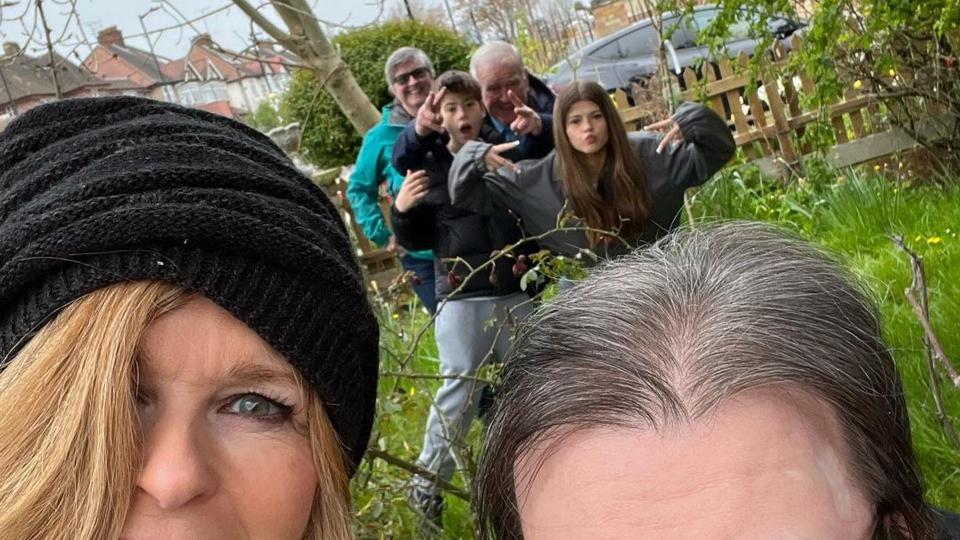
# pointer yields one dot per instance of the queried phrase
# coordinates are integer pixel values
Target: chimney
(110, 36)
(10, 48)
(202, 39)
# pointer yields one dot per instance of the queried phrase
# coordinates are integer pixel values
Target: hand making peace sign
(671, 131)
(527, 120)
(493, 160)
(428, 115)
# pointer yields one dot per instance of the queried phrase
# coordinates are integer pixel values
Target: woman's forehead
(201, 341)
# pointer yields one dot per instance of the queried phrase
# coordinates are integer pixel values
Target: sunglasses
(417, 74)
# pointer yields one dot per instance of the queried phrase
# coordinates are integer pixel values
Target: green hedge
(328, 137)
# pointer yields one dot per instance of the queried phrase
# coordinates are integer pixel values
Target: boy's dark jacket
(453, 232)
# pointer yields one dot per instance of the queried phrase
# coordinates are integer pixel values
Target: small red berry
(519, 267)
(454, 280)
(415, 280)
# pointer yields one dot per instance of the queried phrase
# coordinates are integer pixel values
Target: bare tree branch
(53, 61)
(261, 21)
(934, 349)
(307, 40)
(419, 471)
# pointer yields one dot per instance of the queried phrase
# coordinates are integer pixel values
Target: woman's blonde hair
(69, 441)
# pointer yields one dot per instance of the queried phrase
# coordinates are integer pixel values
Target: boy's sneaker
(430, 508)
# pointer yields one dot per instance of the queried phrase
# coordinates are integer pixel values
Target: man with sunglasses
(409, 76)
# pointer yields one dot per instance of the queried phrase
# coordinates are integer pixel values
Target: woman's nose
(176, 466)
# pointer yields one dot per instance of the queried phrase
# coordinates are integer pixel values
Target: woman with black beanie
(187, 347)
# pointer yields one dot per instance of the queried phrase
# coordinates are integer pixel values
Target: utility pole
(453, 23)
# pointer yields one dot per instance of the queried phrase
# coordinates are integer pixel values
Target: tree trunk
(307, 40)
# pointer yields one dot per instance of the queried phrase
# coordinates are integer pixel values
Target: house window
(207, 94)
(219, 89)
(190, 93)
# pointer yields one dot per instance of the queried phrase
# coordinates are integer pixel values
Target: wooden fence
(766, 112)
(381, 265)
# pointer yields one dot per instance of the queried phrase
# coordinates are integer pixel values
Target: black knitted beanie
(99, 191)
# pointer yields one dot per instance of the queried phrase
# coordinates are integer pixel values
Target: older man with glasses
(409, 76)
(507, 87)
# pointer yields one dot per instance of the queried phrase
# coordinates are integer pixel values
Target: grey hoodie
(535, 195)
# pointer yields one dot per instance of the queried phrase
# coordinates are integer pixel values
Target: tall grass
(854, 215)
(849, 213)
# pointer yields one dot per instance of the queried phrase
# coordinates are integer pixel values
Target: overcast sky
(229, 27)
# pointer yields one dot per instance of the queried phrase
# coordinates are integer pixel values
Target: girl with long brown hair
(186, 347)
(620, 188)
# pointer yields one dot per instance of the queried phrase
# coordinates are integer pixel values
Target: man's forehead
(500, 69)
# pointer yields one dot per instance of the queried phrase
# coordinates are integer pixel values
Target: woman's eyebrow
(258, 371)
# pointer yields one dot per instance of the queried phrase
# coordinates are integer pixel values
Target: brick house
(229, 83)
(128, 70)
(26, 81)
(612, 15)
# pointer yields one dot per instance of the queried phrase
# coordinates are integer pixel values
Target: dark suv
(630, 55)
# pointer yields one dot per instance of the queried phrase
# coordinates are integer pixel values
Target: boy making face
(455, 108)
(423, 218)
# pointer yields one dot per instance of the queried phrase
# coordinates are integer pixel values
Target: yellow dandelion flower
(876, 168)
(934, 240)
(892, 73)
(396, 316)
(858, 84)
(413, 391)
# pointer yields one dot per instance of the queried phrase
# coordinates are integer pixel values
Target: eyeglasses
(417, 74)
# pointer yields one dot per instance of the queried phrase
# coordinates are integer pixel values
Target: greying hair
(494, 50)
(668, 333)
(402, 55)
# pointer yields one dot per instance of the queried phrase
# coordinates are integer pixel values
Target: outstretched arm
(696, 143)
(483, 181)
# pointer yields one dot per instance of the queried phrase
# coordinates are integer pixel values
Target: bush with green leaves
(328, 137)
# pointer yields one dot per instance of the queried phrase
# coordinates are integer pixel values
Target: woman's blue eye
(257, 405)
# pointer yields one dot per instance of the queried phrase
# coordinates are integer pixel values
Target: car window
(610, 51)
(641, 42)
(685, 33)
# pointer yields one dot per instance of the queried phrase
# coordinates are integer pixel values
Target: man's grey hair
(668, 333)
(402, 55)
(498, 51)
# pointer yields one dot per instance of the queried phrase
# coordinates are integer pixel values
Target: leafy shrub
(905, 52)
(328, 137)
(265, 118)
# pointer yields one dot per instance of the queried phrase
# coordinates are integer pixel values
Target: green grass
(850, 214)
(854, 218)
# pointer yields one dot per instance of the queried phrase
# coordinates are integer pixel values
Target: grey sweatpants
(465, 340)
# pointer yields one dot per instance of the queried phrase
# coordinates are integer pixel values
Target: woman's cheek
(273, 482)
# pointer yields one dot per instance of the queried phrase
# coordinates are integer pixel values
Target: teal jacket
(373, 167)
